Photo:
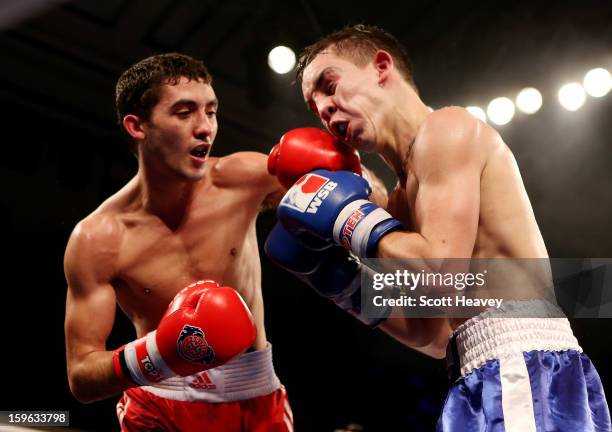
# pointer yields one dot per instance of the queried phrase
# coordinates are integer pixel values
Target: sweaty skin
(459, 194)
(180, 219)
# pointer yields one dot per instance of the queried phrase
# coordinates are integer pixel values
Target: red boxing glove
(303, 150)
(204, 327)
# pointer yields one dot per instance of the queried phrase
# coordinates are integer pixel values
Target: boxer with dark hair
(184, 217)
(459, 195)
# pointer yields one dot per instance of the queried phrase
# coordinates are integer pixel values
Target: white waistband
(247, 376)
(495, 334)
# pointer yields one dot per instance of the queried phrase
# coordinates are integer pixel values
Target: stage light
(500, 110)
(571, 96)
(529, 100)
(281, 59)
(597, 82)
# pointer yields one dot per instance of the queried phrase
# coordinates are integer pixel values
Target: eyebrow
(212, 104)
(319, 82)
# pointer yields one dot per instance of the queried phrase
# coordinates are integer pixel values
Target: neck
(164, 196)
(406, 115)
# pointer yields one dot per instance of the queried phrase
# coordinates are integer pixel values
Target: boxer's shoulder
(244, 162)
(451, 114)
(99, 228)
(246, 169)
(101, 232)
(93, 248)
(454, 135)
(457, 126)
(109, 220)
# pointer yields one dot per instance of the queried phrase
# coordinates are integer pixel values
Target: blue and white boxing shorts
(521, 375)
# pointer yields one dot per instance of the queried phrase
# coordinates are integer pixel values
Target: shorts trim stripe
(517, 402)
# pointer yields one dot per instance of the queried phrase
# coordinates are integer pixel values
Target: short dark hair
(359, 43)
(137, 89)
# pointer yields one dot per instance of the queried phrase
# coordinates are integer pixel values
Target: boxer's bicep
(250, 169)
(91, 299)
(447, 203)
(90, 314)
(448, 208)
(267, 183)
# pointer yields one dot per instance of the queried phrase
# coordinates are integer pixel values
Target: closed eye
(183, 112)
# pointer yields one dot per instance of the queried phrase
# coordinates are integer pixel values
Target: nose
(326, 108)
(205, 128)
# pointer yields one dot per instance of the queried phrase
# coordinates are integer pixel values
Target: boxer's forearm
(405, 245)
(426, 335)
(92, 378)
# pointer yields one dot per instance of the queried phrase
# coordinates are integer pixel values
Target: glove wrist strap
(144, 362)
(355, 224)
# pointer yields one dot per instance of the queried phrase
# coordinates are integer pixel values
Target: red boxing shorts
(242, 395)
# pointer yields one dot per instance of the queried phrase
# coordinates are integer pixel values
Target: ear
(383, 63)
(133, 126)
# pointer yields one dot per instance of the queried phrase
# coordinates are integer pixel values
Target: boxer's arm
(450, 163)
(249, 169)
(426, 335)
(90, 309)
(267, 183)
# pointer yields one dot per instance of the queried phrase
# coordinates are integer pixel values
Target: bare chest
(216, 240)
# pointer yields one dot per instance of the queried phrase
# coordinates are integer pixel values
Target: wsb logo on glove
(308, 193)
(334, 206)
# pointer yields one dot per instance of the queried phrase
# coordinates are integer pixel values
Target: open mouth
(340, 128)
(200, 151)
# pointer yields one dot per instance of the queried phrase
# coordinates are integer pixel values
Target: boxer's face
(344, 96)
(181, 128)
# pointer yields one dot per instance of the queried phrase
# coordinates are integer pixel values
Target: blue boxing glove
(334, 206)
(332, 272)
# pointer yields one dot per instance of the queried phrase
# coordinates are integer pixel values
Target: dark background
(62, 155)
